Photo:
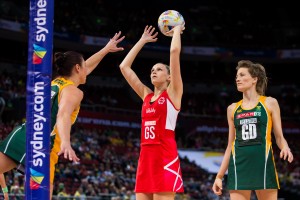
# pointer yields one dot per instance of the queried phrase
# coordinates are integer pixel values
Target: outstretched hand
(149, 35)
(68, 153)
(113, 42)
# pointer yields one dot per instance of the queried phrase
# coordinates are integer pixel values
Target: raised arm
(175, 89)
(148, 36)
(93, 61)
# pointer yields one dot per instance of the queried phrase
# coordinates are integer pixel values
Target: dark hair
(256, 70)
(64, 62)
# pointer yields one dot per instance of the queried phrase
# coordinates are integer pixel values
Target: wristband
(5, 190)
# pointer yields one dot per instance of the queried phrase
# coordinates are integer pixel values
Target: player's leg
(268, 194)
(6, 163)
(164, 196)
(240, 194)
(144, 196)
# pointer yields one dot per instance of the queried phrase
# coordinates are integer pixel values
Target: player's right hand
(217, 187)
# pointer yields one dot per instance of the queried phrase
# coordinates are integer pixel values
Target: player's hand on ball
(176, 28)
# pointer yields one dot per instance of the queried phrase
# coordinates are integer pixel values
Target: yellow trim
(269, 124)
(232, 115)
(277, 179)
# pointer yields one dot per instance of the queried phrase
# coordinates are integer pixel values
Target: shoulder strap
(262, 99)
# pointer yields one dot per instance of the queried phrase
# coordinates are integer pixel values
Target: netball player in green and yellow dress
(70, 70)
(249, 154)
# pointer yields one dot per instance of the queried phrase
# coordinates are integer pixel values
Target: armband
(5, 190)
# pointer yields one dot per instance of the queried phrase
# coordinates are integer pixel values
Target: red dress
(158, 166)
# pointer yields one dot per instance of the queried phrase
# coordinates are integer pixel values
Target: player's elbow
(122, 67)
(175, 50)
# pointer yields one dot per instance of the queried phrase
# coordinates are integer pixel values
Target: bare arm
(175, 89)
(125, 66)
(217, 187)
(273, 107)
(70, 99)
(2, 181)
(111, 46)
(4, 186)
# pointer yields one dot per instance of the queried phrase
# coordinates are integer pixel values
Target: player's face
(83, 72)
(159, 74)
(244, 80)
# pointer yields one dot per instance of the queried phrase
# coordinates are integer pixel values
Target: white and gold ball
(168, 20)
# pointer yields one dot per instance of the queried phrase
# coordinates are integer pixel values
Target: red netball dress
(158, 166)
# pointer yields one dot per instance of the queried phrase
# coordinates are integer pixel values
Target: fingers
(146, 28)
(114, 41)
(290, 156)
(216, 189)
(149, 35)
(217, 186)
(281, 154)
(116, 37)
(117, 49)
(69, 155)
(76, 159)
(182, 30)
(286, 154)
(150, 30)
(219, 192)
(120, 39)
(60, 152)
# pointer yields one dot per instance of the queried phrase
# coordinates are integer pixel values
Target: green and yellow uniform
(14, 145)
(251, 165)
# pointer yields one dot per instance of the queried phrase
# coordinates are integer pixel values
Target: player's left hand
(111, 46)
(286, 153)
(67, 151)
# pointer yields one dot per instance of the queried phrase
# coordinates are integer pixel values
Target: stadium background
(106, 137)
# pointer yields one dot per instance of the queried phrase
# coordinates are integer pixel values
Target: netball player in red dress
(159, 173)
